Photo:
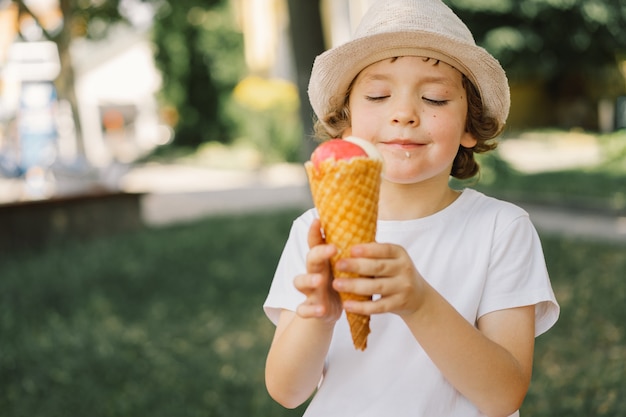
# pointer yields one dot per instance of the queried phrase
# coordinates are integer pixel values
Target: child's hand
(395, 278)
(322, 301)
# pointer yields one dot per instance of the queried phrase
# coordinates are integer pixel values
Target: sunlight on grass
(601, 186)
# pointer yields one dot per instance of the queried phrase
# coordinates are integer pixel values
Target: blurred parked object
(38, 136)
(29, 105)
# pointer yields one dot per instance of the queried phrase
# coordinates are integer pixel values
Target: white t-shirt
(480, 253)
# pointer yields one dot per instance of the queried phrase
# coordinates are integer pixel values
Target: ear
(468, 140)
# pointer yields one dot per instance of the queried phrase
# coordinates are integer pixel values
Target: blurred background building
(115, 116)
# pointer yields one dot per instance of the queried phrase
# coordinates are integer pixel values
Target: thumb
(315, 236)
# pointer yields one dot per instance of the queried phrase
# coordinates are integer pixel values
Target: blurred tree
(307, 42)
(200, 55)
(573, 46)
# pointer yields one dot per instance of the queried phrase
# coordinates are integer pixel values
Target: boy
(458, 279)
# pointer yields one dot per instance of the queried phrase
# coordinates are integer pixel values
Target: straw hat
(393, 28)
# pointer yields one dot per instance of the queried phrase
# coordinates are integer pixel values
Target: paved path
(576, 223)
(180, 194)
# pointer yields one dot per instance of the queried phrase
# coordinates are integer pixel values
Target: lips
(403, 144)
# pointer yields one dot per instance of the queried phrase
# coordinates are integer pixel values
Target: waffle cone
(345, 193)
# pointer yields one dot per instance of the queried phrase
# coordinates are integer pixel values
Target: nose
(405, 113)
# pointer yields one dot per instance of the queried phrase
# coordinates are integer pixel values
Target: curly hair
(483, 128)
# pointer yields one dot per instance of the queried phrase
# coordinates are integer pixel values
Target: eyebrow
(432, 79)
(429, 79)
(375, 77)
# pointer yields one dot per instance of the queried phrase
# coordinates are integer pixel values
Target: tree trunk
(307, 42)
(65, 82)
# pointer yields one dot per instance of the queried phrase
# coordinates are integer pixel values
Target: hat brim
(335, 69)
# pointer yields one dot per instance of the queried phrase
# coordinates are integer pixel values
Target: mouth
(403, 144)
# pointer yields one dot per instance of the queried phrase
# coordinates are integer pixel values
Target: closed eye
(376, 98)
(435, 102)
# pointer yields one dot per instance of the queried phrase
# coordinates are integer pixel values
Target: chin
(395, 179)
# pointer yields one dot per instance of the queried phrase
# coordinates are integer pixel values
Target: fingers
(392, 297)
(309, 310)
(313, 310)
(375, 260)
(310, 284)
(321, 300)
(366, 308)
(318, 258)
(315, 234)
(391, 304)
(395, 283)
(307, 283)
(376, 250)
(367, 286)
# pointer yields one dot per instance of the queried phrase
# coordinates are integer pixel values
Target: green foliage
(85, 18)
(614, 150)
(569, 50)
(547, 37)
(92, 19)
(200, 56)
(267, 112)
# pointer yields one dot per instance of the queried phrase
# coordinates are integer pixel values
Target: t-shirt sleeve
(282, 293)
(518, 276)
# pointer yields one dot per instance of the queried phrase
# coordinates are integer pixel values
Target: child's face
(414, 112)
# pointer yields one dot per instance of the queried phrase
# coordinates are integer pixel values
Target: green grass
(580, 363)
(168, 322)
(164, 322)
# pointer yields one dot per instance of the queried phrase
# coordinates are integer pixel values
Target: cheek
(451, 125)
(363, 122)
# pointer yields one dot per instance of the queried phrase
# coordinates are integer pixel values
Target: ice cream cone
(345, 193)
